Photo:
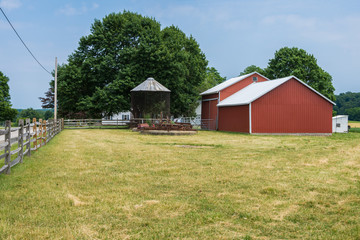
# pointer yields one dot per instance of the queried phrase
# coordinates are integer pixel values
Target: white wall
(340, 124)
(120, 116)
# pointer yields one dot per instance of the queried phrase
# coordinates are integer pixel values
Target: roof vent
(255, 79)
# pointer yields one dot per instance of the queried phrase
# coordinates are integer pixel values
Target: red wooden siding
(291, 108)
(209, 113)
(239, 85)
(235, 119)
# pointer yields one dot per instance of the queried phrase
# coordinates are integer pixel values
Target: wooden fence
(28, 137)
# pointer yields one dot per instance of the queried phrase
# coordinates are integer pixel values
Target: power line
(24, 42)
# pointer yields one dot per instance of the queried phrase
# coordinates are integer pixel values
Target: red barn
(213, 96)
(284, 106)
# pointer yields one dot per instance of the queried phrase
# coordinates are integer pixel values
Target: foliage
(48, 100)
(212, 78)
(123, 50)
(348, 104)
(354, 113)
(30, 113)
(117, 184)
(354, 130)
(48, 114)
(297, 62)
(33, 113)
(6, 112)
(253, 68)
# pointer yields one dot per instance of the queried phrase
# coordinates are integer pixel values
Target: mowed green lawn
(118, 184)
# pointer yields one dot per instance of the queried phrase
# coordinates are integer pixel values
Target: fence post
(55, 126)
(21, 139)
(8, 146)
(28, 137)
(62, 124)
(45, 132)
(51, 129)
(40, 131)
(35, 133)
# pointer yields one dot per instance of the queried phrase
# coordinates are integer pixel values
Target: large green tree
(212, 78)
(294, 61)
(6, 112)
(253, 68)
(297, 62)
(123, 50)
(48, 100)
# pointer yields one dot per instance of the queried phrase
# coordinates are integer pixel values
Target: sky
(232, 34)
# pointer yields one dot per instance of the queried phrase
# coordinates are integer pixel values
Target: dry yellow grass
(118, 184)
(354, 124)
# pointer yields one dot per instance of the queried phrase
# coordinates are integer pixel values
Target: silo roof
(150, 84)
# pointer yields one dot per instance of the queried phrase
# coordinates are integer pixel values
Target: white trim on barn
(250, 130)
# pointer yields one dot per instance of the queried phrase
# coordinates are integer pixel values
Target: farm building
(281, 106)
(150, 98)
(340, 124)
(212, 96)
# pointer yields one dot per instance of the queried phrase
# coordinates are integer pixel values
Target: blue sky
(232, 34)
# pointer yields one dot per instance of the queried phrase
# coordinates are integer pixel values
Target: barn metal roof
(228, 83)
(256, 90)
(340, 116)
(150, 84)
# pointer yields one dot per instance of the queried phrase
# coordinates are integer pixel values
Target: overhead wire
(24, 42)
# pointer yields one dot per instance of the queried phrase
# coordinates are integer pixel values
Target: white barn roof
(150, 84)
(228, 83)
(256, 90)
(340, 116)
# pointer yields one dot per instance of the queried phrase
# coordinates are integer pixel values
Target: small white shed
(340, 124)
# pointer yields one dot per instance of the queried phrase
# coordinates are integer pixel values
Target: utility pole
(55, 91)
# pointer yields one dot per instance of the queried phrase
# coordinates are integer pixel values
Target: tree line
(348, 104)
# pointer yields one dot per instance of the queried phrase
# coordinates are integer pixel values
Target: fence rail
(196, 122)
(28, 137)
(90, 123)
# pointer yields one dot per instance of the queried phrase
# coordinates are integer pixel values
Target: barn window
(125, 117)
(338, 125)
(255, 79)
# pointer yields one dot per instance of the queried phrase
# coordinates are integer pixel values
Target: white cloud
(10, 4)
(336, 30)
(69, 10)
(95, 6)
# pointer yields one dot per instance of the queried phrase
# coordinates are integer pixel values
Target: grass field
(354, 124)
(117, 184)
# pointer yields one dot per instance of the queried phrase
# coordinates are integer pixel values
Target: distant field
(118, 184)
(354, 124)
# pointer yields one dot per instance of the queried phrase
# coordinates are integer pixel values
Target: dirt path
(13, 134)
